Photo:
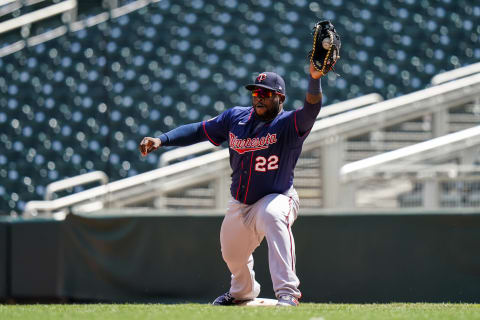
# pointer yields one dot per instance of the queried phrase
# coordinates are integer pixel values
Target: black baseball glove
(326, 46)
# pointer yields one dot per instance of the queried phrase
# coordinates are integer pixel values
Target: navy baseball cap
(268, 80)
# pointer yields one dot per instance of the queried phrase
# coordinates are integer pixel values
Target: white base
(260, 302)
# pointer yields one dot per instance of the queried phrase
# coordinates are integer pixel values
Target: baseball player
(265, 142)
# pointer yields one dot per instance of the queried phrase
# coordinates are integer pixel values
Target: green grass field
(306, 311)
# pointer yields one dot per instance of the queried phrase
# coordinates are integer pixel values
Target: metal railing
(38, 15)
(438, 148)
(67, 7)
(425, 165)
(456, 74)
(332, 133)
(349, 105)
(49, 205)
(135, 190)
(80, 180)
(184, 152)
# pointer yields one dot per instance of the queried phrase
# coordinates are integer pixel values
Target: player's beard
(270, 114)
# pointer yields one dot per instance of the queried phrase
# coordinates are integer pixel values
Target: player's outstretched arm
(306, 116)
(184, 135)
(149, 144)
(314, 93)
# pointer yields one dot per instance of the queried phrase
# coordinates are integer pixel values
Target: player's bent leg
(243, 285)
(238, 241)
(276, 215)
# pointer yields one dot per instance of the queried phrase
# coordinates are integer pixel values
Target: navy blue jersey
(263, 155)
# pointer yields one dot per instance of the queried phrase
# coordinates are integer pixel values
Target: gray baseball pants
(244, 228)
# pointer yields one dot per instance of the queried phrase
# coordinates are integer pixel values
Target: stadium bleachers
(82, 101)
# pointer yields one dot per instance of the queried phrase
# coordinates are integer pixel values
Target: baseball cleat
(287, 300)
(227, 299)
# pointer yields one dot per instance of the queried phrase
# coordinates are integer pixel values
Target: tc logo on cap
(261, 77)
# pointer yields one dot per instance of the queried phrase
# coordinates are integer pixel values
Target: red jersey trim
(290, 233)
(206, 134)
(250, 115)
(249, 176)
(295, 122)
(296, 127)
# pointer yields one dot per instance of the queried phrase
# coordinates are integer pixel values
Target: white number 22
(271, 163)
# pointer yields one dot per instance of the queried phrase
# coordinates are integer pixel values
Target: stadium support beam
(431, 194)
(333, 153)
(440, 123)
(222, 193)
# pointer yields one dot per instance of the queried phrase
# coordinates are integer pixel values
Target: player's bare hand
(315, 73)
(148, 145)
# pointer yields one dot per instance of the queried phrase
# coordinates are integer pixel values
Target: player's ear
(282, 98)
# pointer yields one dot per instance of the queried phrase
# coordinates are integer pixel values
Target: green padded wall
(3, 260)
(340, 258)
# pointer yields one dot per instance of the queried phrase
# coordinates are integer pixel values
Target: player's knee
(234, 262)
(227, 256)
(272, 214)
(232, 257)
